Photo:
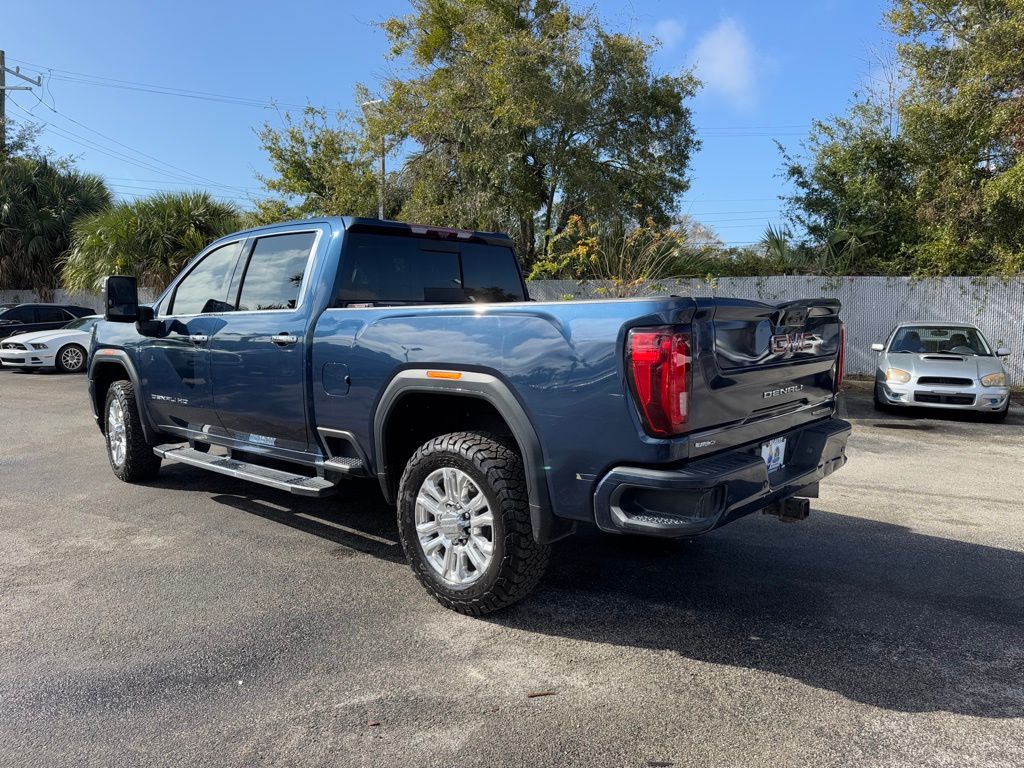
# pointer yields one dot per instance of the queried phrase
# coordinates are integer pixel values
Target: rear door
(49, 318)
(759, 360)
(258, 357)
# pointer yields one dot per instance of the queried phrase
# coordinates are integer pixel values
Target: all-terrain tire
(71, 358)
(518, 562)
(134, 462)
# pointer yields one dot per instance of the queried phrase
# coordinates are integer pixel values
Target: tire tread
(524, 560)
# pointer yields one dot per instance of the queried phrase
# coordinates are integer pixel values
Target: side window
(399, 269)
(21, 315)
(205, 288)
(273, 278)
(52, 315)
(490, 273)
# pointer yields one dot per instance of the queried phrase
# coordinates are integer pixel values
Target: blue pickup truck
(304, 354)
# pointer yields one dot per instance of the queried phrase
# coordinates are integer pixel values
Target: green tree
(857, 181)
(150, 238)
(39, 200)
(323, 166)
(964, 113)
(526, 113)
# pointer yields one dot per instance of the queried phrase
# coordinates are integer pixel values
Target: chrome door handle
(284, 339)
(198, 338)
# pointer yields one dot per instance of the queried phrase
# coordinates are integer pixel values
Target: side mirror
(146, 325)
(121, 299)
(1003, 352)
(878, 347)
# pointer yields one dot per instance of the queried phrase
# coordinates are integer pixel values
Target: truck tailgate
(758, 362)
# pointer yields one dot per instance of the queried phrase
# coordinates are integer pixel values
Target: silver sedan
(941, 365)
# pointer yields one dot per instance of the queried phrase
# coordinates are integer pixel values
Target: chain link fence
(872, 306)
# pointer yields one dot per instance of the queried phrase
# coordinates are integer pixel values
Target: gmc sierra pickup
(301, 354)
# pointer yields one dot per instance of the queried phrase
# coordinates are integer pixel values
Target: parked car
(25, 318)
(301, 354)
(65, 349)
(941, 365)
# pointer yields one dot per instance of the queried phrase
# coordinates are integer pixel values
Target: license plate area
(774, 453)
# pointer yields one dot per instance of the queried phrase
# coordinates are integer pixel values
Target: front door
(176, 364)
(258, 358)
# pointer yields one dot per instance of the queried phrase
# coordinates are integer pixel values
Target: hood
(942, 364)
(45, 337)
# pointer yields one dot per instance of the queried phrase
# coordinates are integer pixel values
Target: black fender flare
(119, 357)
(546, 526)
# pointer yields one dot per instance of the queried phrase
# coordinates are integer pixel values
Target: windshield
(931, 339)
(82, 323)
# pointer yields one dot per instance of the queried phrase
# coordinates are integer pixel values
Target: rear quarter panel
(562, 361)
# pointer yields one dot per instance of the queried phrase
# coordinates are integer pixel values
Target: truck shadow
(872, 611)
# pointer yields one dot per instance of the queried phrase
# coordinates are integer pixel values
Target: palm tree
(151, 238)
(38, 203)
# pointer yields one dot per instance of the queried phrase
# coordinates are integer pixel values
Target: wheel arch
(485, 398)
(105, 367)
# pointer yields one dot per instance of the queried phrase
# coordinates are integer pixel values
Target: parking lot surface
(203, 621)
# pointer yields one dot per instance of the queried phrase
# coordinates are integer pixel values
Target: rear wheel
(71, 358)
(464, 522)
(131, 457)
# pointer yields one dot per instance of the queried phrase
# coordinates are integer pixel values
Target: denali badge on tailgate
(783, 391)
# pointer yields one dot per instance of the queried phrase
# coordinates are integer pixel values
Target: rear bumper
(708, 493)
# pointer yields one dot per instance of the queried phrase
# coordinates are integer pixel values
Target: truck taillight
(659, 362)
(841, 361)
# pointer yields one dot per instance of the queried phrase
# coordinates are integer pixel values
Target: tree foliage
(857, 192)
(524, 113)
(39, 200)
(964, 113)
(932, 182)
(323, 166)
(150, 238)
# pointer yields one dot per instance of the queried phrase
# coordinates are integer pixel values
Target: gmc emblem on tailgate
(790, 342)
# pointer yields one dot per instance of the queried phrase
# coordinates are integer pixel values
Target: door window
(273, 278)
(52, 315)
(20, 315)
(205, 289)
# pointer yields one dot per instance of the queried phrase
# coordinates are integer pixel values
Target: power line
(95, 146)
(166, 90)
(131, 149)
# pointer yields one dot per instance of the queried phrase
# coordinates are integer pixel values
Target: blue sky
(768, 68)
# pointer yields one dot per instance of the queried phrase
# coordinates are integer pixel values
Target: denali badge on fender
(783, 391)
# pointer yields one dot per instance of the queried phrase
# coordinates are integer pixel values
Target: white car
(66, 349)
(941, 365)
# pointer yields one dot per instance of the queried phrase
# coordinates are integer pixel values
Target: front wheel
(880, 405)
(464, 523)
(131, 457)
(71, 358)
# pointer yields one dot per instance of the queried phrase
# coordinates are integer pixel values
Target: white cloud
(669, 32)
(726, 63)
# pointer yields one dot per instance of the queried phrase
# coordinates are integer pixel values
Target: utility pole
(4, 88)
(383, 155)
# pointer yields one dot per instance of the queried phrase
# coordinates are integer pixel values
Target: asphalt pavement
(202, 621)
